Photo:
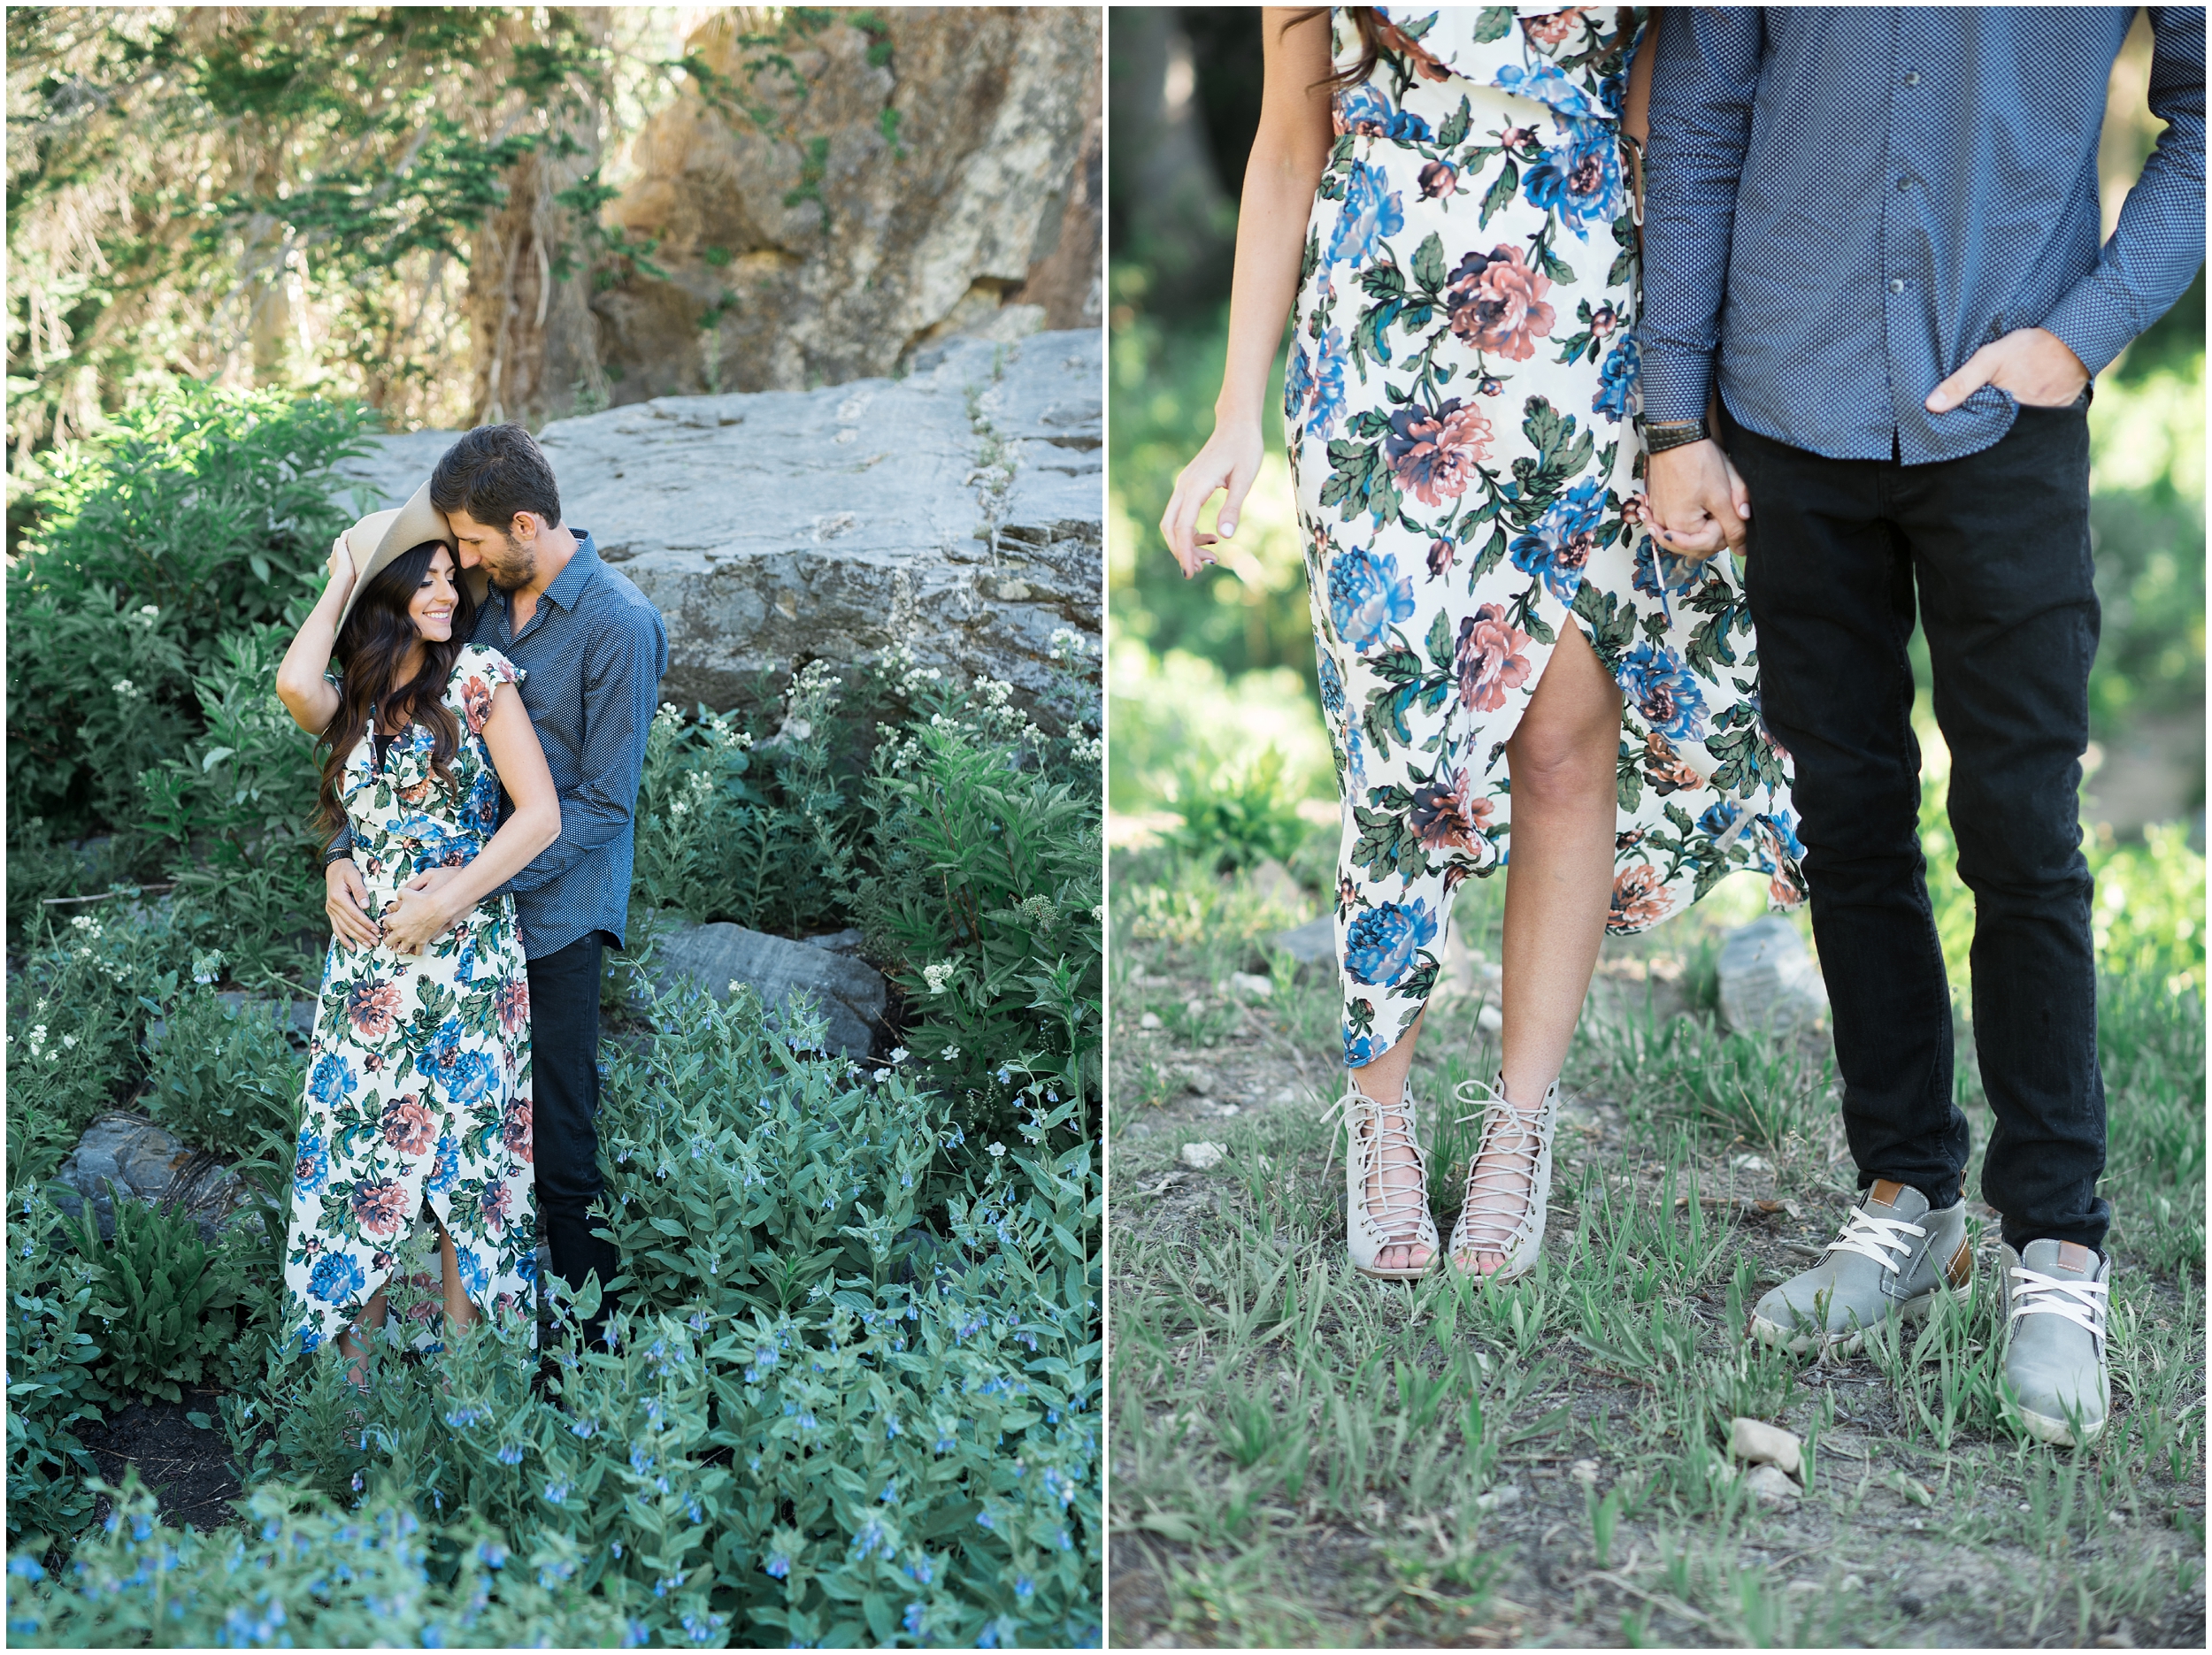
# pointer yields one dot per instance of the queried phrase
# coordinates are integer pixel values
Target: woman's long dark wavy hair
(375, 641)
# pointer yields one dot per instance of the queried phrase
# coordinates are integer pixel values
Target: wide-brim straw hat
(381, 536)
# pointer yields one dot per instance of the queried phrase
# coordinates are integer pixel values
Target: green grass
(1303, 1456)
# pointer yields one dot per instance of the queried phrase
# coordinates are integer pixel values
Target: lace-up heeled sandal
(1378, 1214)
(1512, 1159)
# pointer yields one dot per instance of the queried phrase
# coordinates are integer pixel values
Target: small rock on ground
(1203, 1157)
(1770, 1486)
(1761, 1443)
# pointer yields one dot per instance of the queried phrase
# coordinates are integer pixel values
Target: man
(593, 650)
(1874, 232)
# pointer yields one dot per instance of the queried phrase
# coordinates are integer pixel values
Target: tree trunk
(533, 336)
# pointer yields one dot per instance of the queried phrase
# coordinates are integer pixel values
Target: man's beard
(512, 576)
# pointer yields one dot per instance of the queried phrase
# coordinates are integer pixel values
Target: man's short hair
(493, 473)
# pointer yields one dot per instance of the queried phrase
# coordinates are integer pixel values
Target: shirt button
(1904, 183)
(1912, 77)
(1897, 284)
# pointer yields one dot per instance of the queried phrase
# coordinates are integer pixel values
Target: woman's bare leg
(352, 1348)
(1559, 880)
(460, 1313)
(1384, 1080)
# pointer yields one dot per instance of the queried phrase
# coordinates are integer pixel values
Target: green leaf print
(1629, 776)
(1312, 261)
(1488, 559)
(1454, 131)
(1386, 844)
(1500, 193)
(1554, 266)
(1428, 260)
(1612, 623)
(1440, 641)
(1493, 23)
(1549, 431)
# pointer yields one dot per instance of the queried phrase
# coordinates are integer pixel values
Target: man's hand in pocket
(2034, 365)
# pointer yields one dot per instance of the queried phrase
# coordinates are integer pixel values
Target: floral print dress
(1459, 400)
(418, 1071)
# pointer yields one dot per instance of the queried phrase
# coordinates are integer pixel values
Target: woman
(1442, 196)
(419, 1077)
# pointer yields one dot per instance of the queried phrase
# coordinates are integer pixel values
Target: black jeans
(564, 1074)
(1996, 548)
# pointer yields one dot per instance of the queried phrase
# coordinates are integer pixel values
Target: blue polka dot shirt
(1843, 203)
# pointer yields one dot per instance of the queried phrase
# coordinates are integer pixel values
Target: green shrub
(235, 812)
(851, 1394)
(301, 1571)
(51, 1354)
(985, 915)
(223, 1080)
(203, 511)
(157, 1289)
(1235, 813)
(76, 1016)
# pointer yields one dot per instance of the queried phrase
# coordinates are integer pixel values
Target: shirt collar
(567, 585)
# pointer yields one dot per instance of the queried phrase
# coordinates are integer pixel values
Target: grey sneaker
(2056, 1293)
(1891, 1258)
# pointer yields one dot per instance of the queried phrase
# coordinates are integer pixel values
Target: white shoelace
(2081, 1303)
(1874, 1238)
(1387, 1204)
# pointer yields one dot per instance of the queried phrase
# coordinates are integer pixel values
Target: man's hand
(1698, 502)
(2034, 365)
(421, 914)
(346, 900)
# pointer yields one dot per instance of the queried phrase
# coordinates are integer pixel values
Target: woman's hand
(341, 565)
(1230, 460)
(421, 914)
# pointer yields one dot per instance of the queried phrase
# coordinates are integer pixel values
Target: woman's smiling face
(432, 607)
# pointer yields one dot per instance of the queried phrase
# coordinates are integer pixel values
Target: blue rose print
(337, 1278)
(1297, 381)
(1664, 689)
(1784, 825)
(1331, 684)
(445, 1169)
(1372, 210)
(1366, 595)
(1558, 549)
(1719, 817)
(474, 1077)
(1547, 85)
(1579, 178)
(1381, 945)
(1617, 380)
(475, 1277)
(1361, 1049)
(1328, 383)
(332, 1080)
(310, 1167)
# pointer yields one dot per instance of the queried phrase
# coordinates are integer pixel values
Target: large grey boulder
(1768, 980)
(958, 511)
(127, 1155)
(847, 992)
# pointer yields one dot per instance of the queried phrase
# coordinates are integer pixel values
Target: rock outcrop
(957, 511)
(847, 993)
(919, 173)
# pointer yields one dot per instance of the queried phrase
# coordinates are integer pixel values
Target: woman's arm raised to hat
(311, 698)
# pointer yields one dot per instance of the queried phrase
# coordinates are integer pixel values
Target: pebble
(1490, 1020)
(1203, 1157)
(1749, 1163)
(1770, 1486)
(1510, 1495)
(1585, 1472)
(1762, 1443)
(1251, 986)
(1151, 1020)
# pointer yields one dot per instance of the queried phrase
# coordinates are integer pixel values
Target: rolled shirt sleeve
(2159, 242)
(1703, 79)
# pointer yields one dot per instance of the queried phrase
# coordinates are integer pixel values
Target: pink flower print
(380, 1207)
(1488, 659)
(407, 1126)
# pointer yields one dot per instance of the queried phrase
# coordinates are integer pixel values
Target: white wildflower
(997, 1150)
(899, 1055)
(938, 976)
(948, 1054)
(124, 687)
